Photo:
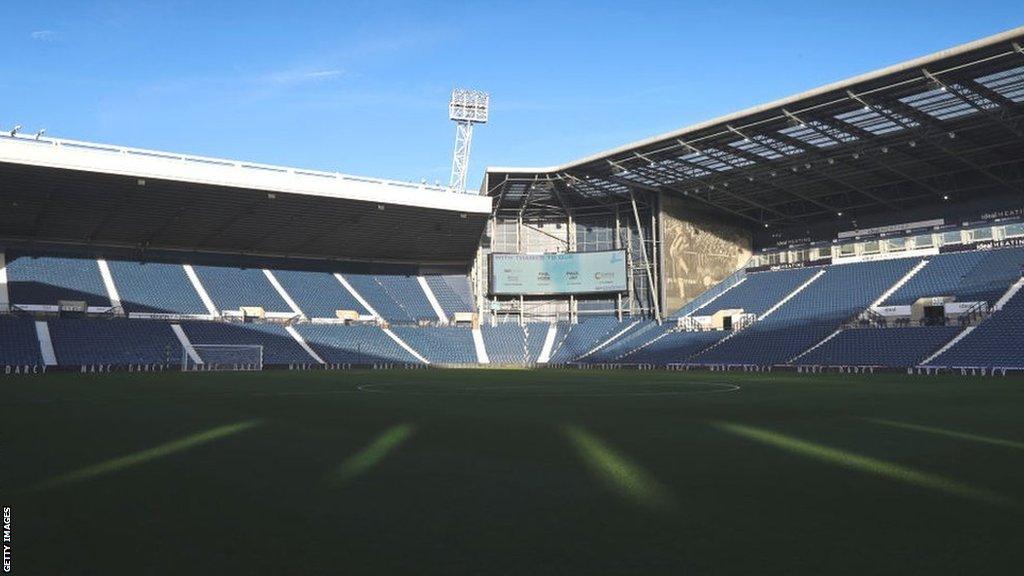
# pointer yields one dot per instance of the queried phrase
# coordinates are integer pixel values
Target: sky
(362, 87)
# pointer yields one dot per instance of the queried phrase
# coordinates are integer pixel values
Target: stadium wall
(698, 251)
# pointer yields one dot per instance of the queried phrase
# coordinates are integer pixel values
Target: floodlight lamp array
(469, 106)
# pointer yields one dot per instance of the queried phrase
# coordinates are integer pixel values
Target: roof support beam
(926, 120)
(832, 138)
(639, 186)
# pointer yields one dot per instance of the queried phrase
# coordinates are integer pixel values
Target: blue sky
(362, 87)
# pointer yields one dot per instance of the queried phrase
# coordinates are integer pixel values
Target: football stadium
(784, 340)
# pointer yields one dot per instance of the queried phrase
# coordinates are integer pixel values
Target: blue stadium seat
(536, 333)
(506, 343)
(440, 345)
(361, 344)
(44, 280)
(396, 298)
(453, 293)
(317, 294)
(843, 291)
(996, 342)
(760, 291)
(116, 342)
(233, 288)
(704, 297)
(19, 345)
(675, 347)
(969, 276)
(578, 339)
(155, 287)
(642, 333)
(890, 347)
(279, 348)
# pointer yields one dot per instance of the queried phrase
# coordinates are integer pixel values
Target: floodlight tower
(466, 108)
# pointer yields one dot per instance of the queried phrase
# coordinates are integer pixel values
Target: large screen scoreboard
(554, 274)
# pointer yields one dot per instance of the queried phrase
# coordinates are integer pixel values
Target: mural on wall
(698, 252)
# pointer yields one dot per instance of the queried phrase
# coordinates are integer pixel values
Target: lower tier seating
(997, 342)
(506, 344)
(338, 344)
(114, 342)
(674, 348)
(440, 345)
(19, 345)
(891, 347)
(279, 348)
(576, 340)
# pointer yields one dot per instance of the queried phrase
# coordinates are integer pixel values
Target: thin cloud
(300, 76)
(43, 35)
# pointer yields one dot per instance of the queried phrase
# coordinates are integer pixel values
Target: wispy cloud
(44, 35)
(299, 76)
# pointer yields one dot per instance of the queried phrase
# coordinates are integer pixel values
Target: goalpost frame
(190, 364)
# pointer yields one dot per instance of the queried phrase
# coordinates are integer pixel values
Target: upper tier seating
(317, 294)
(395, 298)
(759, 291)
(233, 288)
(279, 348)
(969, 276)
(891, 347)
(155, 287)
(578, 339)
(44, 280)
(440, 345)
(838, 295)
(453, 293)
(338, 344)
(19, 345)
(674, 347)
(996, 342)
(117, 342)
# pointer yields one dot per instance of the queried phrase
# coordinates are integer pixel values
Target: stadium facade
(874, 223)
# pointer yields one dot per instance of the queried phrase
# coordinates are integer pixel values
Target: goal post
(222, 357)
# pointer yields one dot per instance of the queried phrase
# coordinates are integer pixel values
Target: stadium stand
(279, 348)
(702, 299)
(811, 315)
(338, 344)
(453, 293)
(759, 291)
(318, 294)
(969, 276)
(535, 332)
(44, 280)
(638, 335)
(383, 301)
(440, 345)
(233, 288)
(996, 342)
(578, 339)
(505, 343)
(889, 347)
(674, 347)
(155, 287)
(19, 345)
(115, 342)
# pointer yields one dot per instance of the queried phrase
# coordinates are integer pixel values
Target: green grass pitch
(513, 472)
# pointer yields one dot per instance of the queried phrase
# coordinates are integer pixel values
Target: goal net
(226, 357)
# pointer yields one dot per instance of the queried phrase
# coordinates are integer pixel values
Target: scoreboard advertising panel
(553, 274)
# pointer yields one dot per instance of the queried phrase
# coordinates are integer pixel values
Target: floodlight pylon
(466, 108)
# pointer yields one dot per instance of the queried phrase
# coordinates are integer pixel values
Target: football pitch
(513, 472)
